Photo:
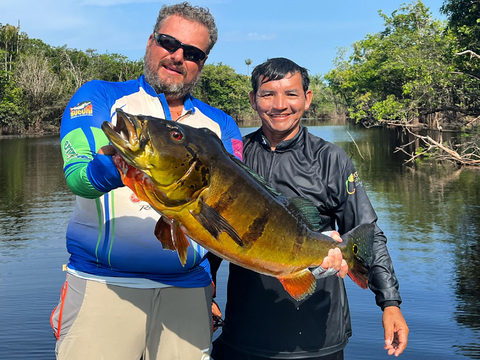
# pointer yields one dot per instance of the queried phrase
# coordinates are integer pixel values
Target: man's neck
(276, 137)
(176, 108)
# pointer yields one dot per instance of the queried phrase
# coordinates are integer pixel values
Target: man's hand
(396, 330)
(334, 261)
(216, 314)
(102, 172)
(107, 150)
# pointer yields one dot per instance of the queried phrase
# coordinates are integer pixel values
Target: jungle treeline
(417, 71)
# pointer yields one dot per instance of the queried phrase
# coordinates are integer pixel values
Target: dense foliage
(409, 73)
(37, 80)
(418, 71)
(221, 87)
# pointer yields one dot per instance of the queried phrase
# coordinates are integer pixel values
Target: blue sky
(306, 31)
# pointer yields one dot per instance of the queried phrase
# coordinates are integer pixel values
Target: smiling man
(125, 297)
(261, 320)
(280, 105)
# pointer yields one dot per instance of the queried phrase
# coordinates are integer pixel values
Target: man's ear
(253, 100)
(150, 41)
(308, 98)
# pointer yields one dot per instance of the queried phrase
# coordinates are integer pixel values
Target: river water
(431, 217)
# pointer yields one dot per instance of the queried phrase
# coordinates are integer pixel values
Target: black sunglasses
(169, 43)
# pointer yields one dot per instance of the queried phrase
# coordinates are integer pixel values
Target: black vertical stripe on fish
(227, 199)
(299, 242)
(256, 229)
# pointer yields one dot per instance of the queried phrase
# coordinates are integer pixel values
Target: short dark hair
(193, 13)
(277, 69)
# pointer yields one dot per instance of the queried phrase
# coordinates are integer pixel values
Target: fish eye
(176, 135)
(355, 249)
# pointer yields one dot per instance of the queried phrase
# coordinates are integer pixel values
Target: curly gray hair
(189, 12)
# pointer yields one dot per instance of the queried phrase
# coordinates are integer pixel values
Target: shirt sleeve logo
(69, 150)
(84, 108)
(352, 182)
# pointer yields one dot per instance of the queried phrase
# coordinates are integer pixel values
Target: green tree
(248, 62)
(12, 106)
(220, 86)
(463, 18)
(37, 80)
(323, 102)
(41, 88)
(463, 24)
(11, 41)
(402, 74)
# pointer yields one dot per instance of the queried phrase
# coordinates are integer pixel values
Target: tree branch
(469, 156)
(472, 54)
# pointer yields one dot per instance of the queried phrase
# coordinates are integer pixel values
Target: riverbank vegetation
(418, 72)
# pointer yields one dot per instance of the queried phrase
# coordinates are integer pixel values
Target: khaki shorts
(98, 321)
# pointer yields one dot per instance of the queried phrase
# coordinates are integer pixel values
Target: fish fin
(215, 223)
(131, 177)
(300, 285)
(306, 210)
(299, 206)
(163, 232)
(258, 178)
(359, 275)
(172, 237)
(358, 252)
(181, 242)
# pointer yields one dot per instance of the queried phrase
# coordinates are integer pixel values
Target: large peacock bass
(205, 193)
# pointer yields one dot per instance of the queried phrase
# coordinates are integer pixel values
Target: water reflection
(467, 227)
(32, 186)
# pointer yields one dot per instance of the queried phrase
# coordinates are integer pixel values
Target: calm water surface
(431, 218)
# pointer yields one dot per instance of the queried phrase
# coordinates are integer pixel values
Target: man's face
(169, 72)
(280, 105)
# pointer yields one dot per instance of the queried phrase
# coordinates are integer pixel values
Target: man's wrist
(390, 303)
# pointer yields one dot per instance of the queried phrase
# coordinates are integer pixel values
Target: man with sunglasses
(125, 297)
(262, 321)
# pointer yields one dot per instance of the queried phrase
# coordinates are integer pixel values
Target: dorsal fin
(298, 206)
(255, 176)
(306, 210)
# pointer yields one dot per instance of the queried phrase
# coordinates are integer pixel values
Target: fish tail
(358, 252)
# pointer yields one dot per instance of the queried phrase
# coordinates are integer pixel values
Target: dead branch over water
(466, 154)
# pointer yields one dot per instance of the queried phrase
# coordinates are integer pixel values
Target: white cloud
(253, 36)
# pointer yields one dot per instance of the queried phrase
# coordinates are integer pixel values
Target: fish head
(172, 155)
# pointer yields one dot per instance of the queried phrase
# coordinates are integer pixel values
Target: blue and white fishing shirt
(111, 235)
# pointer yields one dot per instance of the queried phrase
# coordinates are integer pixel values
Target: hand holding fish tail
(396, 330)
(333, 263)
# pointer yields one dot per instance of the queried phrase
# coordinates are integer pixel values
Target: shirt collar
(187, 103)
(287, 144)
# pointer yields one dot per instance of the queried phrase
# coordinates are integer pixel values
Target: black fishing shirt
(261, 318)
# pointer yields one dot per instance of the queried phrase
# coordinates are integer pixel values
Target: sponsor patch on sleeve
(84, 108)
(69, 150)
(352, 182)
